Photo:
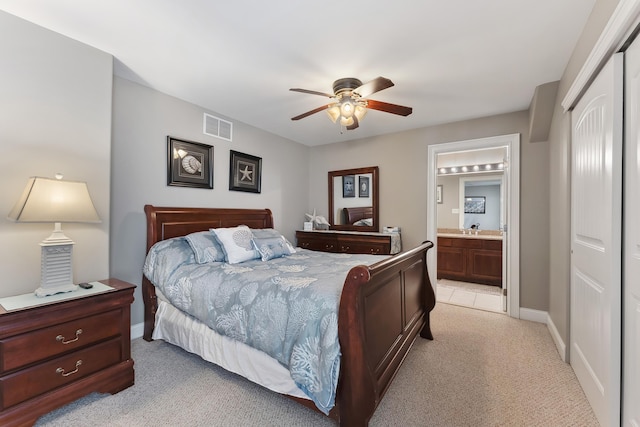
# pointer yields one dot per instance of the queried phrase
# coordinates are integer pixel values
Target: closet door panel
(631, 238)
(596, 211)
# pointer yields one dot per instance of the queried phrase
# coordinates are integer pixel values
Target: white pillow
(236, 243)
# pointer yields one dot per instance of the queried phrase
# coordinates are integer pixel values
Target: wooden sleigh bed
(383, 308)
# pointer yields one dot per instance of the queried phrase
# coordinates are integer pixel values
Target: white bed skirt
(175, 327)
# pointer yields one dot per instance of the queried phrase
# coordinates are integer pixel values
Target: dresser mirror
(353, 199)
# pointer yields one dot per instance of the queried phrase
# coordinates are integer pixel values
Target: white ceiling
(450, 60)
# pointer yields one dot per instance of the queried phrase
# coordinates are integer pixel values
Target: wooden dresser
(350, 242)
(470, 259)
(56, 352)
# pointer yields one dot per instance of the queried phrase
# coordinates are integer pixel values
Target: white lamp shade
(54, 200)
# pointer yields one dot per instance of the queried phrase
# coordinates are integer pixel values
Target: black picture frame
(189, 163)
(245, 172)
(474, 204)
(363, 186)
(349, 186)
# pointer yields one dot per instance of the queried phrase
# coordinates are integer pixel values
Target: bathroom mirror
(353, 199)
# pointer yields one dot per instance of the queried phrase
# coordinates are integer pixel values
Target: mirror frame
(373, 170)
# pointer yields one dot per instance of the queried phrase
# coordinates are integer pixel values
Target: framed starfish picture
(245, 172)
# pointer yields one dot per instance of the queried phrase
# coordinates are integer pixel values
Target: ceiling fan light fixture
(349, 101)
(334, 112)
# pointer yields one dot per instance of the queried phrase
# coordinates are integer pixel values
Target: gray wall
(55, 116)
(450, 201)
(402, 159)
(559, 173)
(142, 119)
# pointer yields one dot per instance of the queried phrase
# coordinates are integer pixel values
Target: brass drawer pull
(61, 371)
(61, 338)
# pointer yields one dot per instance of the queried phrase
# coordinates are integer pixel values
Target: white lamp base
(56, 270)
(52, 290)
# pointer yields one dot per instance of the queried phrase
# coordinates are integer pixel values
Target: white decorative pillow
(273, 247)
(205, 247)
(237, 243)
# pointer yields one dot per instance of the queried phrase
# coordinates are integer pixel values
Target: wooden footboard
(382, 310)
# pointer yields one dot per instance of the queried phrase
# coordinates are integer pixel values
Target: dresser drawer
(364, 248)
(22, 350)
(34, 381)
(318, 243)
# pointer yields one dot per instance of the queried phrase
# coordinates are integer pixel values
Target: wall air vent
(215, 126)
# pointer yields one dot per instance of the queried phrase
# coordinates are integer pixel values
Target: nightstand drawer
(22, 350)
(31, 382)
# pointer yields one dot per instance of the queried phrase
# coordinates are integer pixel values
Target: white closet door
(596, 214)
(631, 236)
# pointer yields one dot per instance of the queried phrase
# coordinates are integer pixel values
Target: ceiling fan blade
(375, 85)
(308, 113)
(354, 125)
(312, 92)
(389, 108)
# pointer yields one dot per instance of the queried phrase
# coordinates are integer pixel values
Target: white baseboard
(137, 330)
(533, 315)
(557, 339)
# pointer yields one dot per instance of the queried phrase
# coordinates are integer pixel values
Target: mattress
(178, 328)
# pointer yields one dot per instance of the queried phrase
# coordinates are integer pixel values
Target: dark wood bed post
(357, 400)
(148, 290)
(383, 308)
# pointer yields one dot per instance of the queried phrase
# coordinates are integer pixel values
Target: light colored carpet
(482, 369)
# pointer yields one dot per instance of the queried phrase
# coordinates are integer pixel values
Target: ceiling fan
(349, 104)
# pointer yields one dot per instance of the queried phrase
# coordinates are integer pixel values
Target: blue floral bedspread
(286, 307)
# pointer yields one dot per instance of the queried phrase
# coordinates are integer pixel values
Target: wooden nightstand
(56, 352)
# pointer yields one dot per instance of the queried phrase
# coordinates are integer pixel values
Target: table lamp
(57, 201)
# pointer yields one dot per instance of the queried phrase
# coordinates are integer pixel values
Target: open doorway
(473, 216)
(470, 229)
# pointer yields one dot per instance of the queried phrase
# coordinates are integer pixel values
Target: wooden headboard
(165, 223)
(351, 215)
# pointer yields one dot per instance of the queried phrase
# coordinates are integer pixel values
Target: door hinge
(504, 292)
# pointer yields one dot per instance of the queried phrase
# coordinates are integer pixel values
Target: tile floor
(488, 299)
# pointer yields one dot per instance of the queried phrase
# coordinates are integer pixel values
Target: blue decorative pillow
(237, 243)
(265, 232)
(273, 247)
(205, 247)
(262, 233)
